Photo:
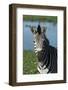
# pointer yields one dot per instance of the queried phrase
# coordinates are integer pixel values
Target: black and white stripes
(46, 54)
(47, 59)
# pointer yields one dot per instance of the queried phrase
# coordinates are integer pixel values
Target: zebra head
(39, 38)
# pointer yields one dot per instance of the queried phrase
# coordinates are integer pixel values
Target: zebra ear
(32, 30)
(43, 29)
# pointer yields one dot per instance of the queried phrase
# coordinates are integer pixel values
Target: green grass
(29, 62)
(40, 18)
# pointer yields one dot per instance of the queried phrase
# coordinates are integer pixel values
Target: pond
(51, 33)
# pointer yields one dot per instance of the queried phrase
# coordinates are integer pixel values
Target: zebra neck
(43, 61)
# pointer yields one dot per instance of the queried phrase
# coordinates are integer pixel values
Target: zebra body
(47, 59)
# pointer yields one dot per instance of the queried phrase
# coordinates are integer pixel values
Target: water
(51, 33)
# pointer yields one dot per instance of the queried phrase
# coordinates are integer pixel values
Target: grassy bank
(29, 62)
(40, 18)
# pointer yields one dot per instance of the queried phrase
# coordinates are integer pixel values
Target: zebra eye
(34, 41)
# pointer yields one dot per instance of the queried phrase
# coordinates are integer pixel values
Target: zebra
(46, 54)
